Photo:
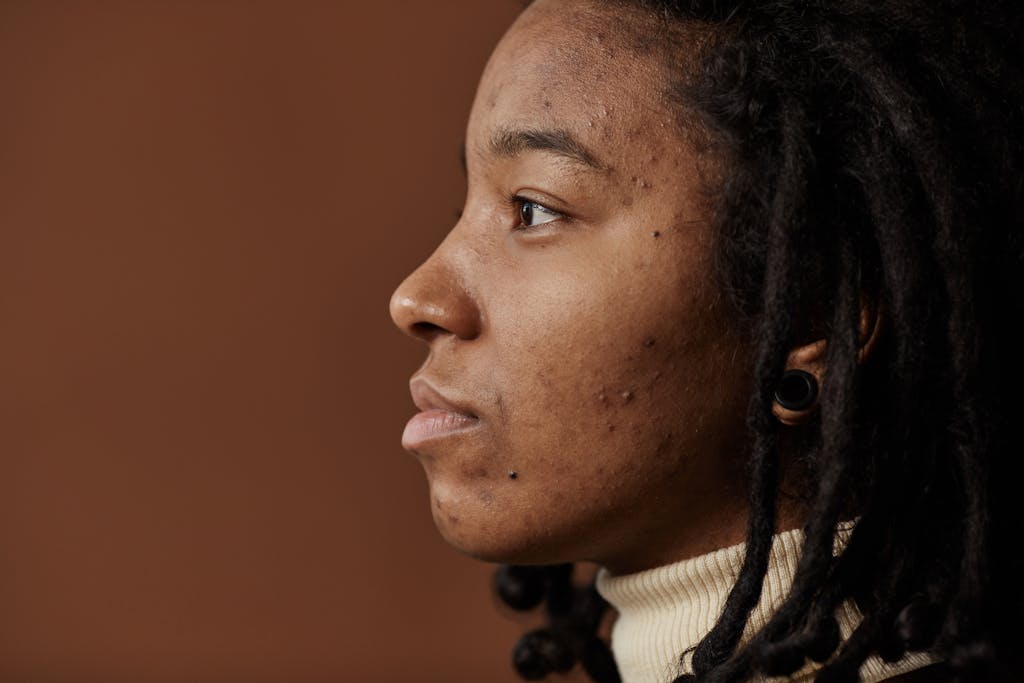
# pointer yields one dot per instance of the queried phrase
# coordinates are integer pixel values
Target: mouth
(439, 416)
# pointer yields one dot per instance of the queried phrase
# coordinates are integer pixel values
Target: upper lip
(426, 397)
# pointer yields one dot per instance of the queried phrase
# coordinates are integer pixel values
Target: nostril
(426, 330)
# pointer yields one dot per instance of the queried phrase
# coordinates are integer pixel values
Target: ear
(872, 318)
(810, 358)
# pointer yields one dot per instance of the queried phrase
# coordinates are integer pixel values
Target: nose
(434, 301)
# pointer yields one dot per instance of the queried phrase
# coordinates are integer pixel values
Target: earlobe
(796, 395)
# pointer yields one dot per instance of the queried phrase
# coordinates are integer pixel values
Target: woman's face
(584, 394)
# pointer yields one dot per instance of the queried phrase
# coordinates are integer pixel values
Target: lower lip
(435, 424)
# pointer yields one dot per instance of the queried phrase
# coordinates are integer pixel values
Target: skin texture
(593, 349)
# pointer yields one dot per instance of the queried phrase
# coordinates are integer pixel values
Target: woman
(731, 312)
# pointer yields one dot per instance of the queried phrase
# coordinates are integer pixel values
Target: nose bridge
(434, 299)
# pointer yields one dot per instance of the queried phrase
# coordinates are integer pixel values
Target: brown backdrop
(204, 207)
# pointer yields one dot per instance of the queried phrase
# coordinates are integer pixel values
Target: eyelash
(519, 203)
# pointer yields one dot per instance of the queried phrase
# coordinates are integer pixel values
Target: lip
(439, 416)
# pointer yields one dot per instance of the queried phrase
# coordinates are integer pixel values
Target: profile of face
(585, 389)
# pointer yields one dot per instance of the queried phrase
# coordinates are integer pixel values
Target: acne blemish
(627, 396)
(603, 398)
(650, 341)
(512, 474)
(611, 428)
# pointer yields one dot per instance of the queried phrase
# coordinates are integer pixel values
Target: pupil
(526, 213)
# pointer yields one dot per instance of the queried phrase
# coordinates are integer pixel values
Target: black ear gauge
(797, 390)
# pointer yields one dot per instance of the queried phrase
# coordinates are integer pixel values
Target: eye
(532, 214)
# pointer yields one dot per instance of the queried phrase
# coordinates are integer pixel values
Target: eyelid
(519, 201)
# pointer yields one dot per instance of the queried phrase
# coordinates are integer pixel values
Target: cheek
(590, 390)
(601, 350)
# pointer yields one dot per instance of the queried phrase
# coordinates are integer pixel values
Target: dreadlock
(873, 154)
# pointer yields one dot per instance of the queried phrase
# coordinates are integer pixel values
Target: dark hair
(872, 153)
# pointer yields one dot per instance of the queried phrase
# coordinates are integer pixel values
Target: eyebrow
(509, 143)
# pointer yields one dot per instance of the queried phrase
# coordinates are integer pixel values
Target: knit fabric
(664, 612)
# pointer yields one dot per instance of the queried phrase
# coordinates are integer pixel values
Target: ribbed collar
(664, 612)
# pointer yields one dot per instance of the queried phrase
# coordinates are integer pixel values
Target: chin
(497, 551)
(489, 538)
(494, 520)
(463, 531)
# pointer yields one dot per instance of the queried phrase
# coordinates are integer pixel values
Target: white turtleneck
(666, 611)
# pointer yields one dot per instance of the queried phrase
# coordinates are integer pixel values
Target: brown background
(204, 207)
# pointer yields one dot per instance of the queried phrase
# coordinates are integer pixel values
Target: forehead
(584, 67)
